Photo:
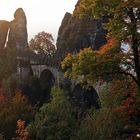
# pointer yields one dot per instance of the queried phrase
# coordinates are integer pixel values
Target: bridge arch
(46, 79)
(58, 75)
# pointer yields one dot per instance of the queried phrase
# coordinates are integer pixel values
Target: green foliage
(118, 116)
(101, 125)
(123, 25)
(90, 66)
(85, 8)
(55, 120)
(115, 120)
(117, 10)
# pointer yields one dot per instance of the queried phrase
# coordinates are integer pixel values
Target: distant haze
(42, 15)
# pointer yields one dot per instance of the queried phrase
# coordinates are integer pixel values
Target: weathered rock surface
(4, 26)
(75, 34)
(18, 30)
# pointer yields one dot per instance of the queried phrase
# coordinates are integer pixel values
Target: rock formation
(75, 34)
(17, 36)
(14, 35)
(18, 30)
(4, 26)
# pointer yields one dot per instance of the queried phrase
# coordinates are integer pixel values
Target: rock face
(18, 30)
(14, 35)
(4, 26)
(75, 34)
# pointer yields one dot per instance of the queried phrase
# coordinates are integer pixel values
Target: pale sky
(42, 15)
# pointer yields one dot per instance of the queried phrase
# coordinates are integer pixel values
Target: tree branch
(129, 74)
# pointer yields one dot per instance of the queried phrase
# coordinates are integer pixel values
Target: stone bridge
(38, 69)
(29, 65)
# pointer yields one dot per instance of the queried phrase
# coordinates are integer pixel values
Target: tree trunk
(135, 50)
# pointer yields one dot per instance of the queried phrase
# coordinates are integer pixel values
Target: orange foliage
(21, 131)
(105, 48)
(19, 97)
(126, 89)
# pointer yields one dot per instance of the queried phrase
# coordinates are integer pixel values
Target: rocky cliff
(75, 34)
(17, 36)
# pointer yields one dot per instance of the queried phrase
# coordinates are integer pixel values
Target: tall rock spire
(18, 30)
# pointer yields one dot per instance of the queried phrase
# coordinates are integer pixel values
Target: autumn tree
(119, 115)
(43, 44)
(123, 26)
(90, 66)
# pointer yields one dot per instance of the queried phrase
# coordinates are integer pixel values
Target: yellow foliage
(67, 61)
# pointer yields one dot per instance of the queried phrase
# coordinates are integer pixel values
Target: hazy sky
(41, 14)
